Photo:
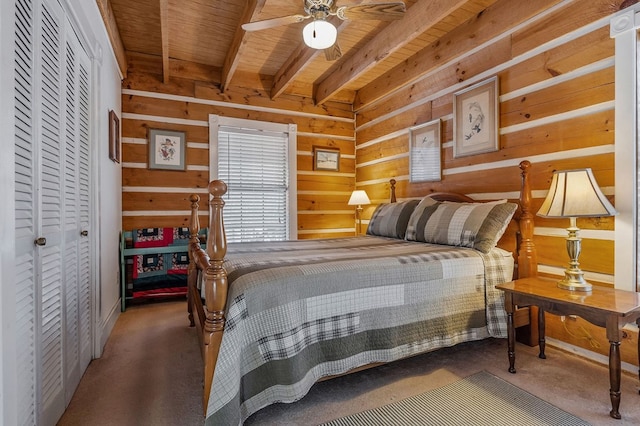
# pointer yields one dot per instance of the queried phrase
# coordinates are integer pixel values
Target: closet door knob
(40, 241)
(84, 233)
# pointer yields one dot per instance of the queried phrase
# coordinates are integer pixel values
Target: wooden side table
(604, 307)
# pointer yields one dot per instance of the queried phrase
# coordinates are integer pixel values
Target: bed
(280, 316)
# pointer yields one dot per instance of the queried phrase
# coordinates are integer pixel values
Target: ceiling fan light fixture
(319, 34)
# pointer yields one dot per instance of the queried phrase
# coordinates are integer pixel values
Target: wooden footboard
(207, 267)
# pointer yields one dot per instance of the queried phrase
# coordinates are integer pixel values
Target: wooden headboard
(518, 238)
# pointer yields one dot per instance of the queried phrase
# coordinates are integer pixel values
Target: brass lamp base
(574, 281)
(573, 275)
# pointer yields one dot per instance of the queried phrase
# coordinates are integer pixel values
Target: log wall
(555, 66)
(159, 198)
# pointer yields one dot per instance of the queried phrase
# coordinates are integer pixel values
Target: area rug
(480, 399)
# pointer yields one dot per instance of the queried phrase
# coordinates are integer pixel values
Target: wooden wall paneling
(323, 202)
(158, 201)
(307, 142)
(165, 178)
(391, 168)
(440, 80)
(396, 123)
(166, 221)
(581, 92)
(596, 255)
(139, 129)
(583, 51)
(317, 222)
(575, 15)
(582, 133)
(381, 151)
(329, 125)
(197, 111)
(318, 182)
(261, 98)
(327, 234)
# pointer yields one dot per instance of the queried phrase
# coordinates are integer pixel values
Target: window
(257, 162)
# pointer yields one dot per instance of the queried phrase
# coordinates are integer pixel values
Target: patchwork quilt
(160, 270)
(301, 310)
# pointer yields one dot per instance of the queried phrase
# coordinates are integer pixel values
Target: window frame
(216, 121)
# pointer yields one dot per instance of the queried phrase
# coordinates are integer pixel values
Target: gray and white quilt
(298, 311)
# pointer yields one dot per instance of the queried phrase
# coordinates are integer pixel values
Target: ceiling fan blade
(332, 53)
(275, 22)
(379, 11)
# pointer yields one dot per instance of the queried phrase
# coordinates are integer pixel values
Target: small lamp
(319, 34)
(359, 197)
(573, 194)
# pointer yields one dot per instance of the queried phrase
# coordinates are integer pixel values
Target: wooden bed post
(392, 188)
(192, 277)
(216, 285)
(527, 259)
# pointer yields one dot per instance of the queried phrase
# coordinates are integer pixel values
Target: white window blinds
(254, 163)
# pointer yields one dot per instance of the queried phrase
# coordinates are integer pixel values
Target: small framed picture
(114, 137)
(475, 117)
(167, 149)
(325, 158)
(424, 152)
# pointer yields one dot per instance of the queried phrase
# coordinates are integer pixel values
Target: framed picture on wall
(167, 149)
(114, 137)
(325, 158)
(475, 117)
(424, 152)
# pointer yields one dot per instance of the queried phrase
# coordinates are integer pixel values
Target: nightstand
(604, 307)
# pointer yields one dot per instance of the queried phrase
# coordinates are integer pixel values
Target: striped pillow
(390, 219)
(419, 217)
(475, 225)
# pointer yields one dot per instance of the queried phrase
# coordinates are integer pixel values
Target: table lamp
(573, 194)
(359, 197)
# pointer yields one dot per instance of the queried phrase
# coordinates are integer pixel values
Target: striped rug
(480, 399)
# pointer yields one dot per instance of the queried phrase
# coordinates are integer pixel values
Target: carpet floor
(509, 404)
(151, 374)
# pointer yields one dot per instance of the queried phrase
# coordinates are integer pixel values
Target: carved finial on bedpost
(216, 285)
(527, 258)
(392, 187)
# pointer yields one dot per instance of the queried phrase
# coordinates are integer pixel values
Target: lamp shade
(319, 34)
(359, 197)
(575, 193)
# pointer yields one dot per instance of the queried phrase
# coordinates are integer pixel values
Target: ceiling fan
(321, 34)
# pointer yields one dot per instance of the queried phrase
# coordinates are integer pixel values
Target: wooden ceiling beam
(419, 18)
(237, 47)
(299, 59)
(493, 21)
(114, 35)
(164, 33)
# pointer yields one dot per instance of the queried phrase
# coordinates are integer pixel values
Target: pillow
(390, 219)
(419, 217)
(475, 225)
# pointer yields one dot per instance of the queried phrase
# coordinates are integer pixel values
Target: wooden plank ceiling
(208, 34)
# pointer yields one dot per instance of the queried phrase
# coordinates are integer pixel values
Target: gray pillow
(475, 225)
(390, 219)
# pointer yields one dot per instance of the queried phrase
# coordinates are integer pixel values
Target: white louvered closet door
(77, 301)
(52, 210)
